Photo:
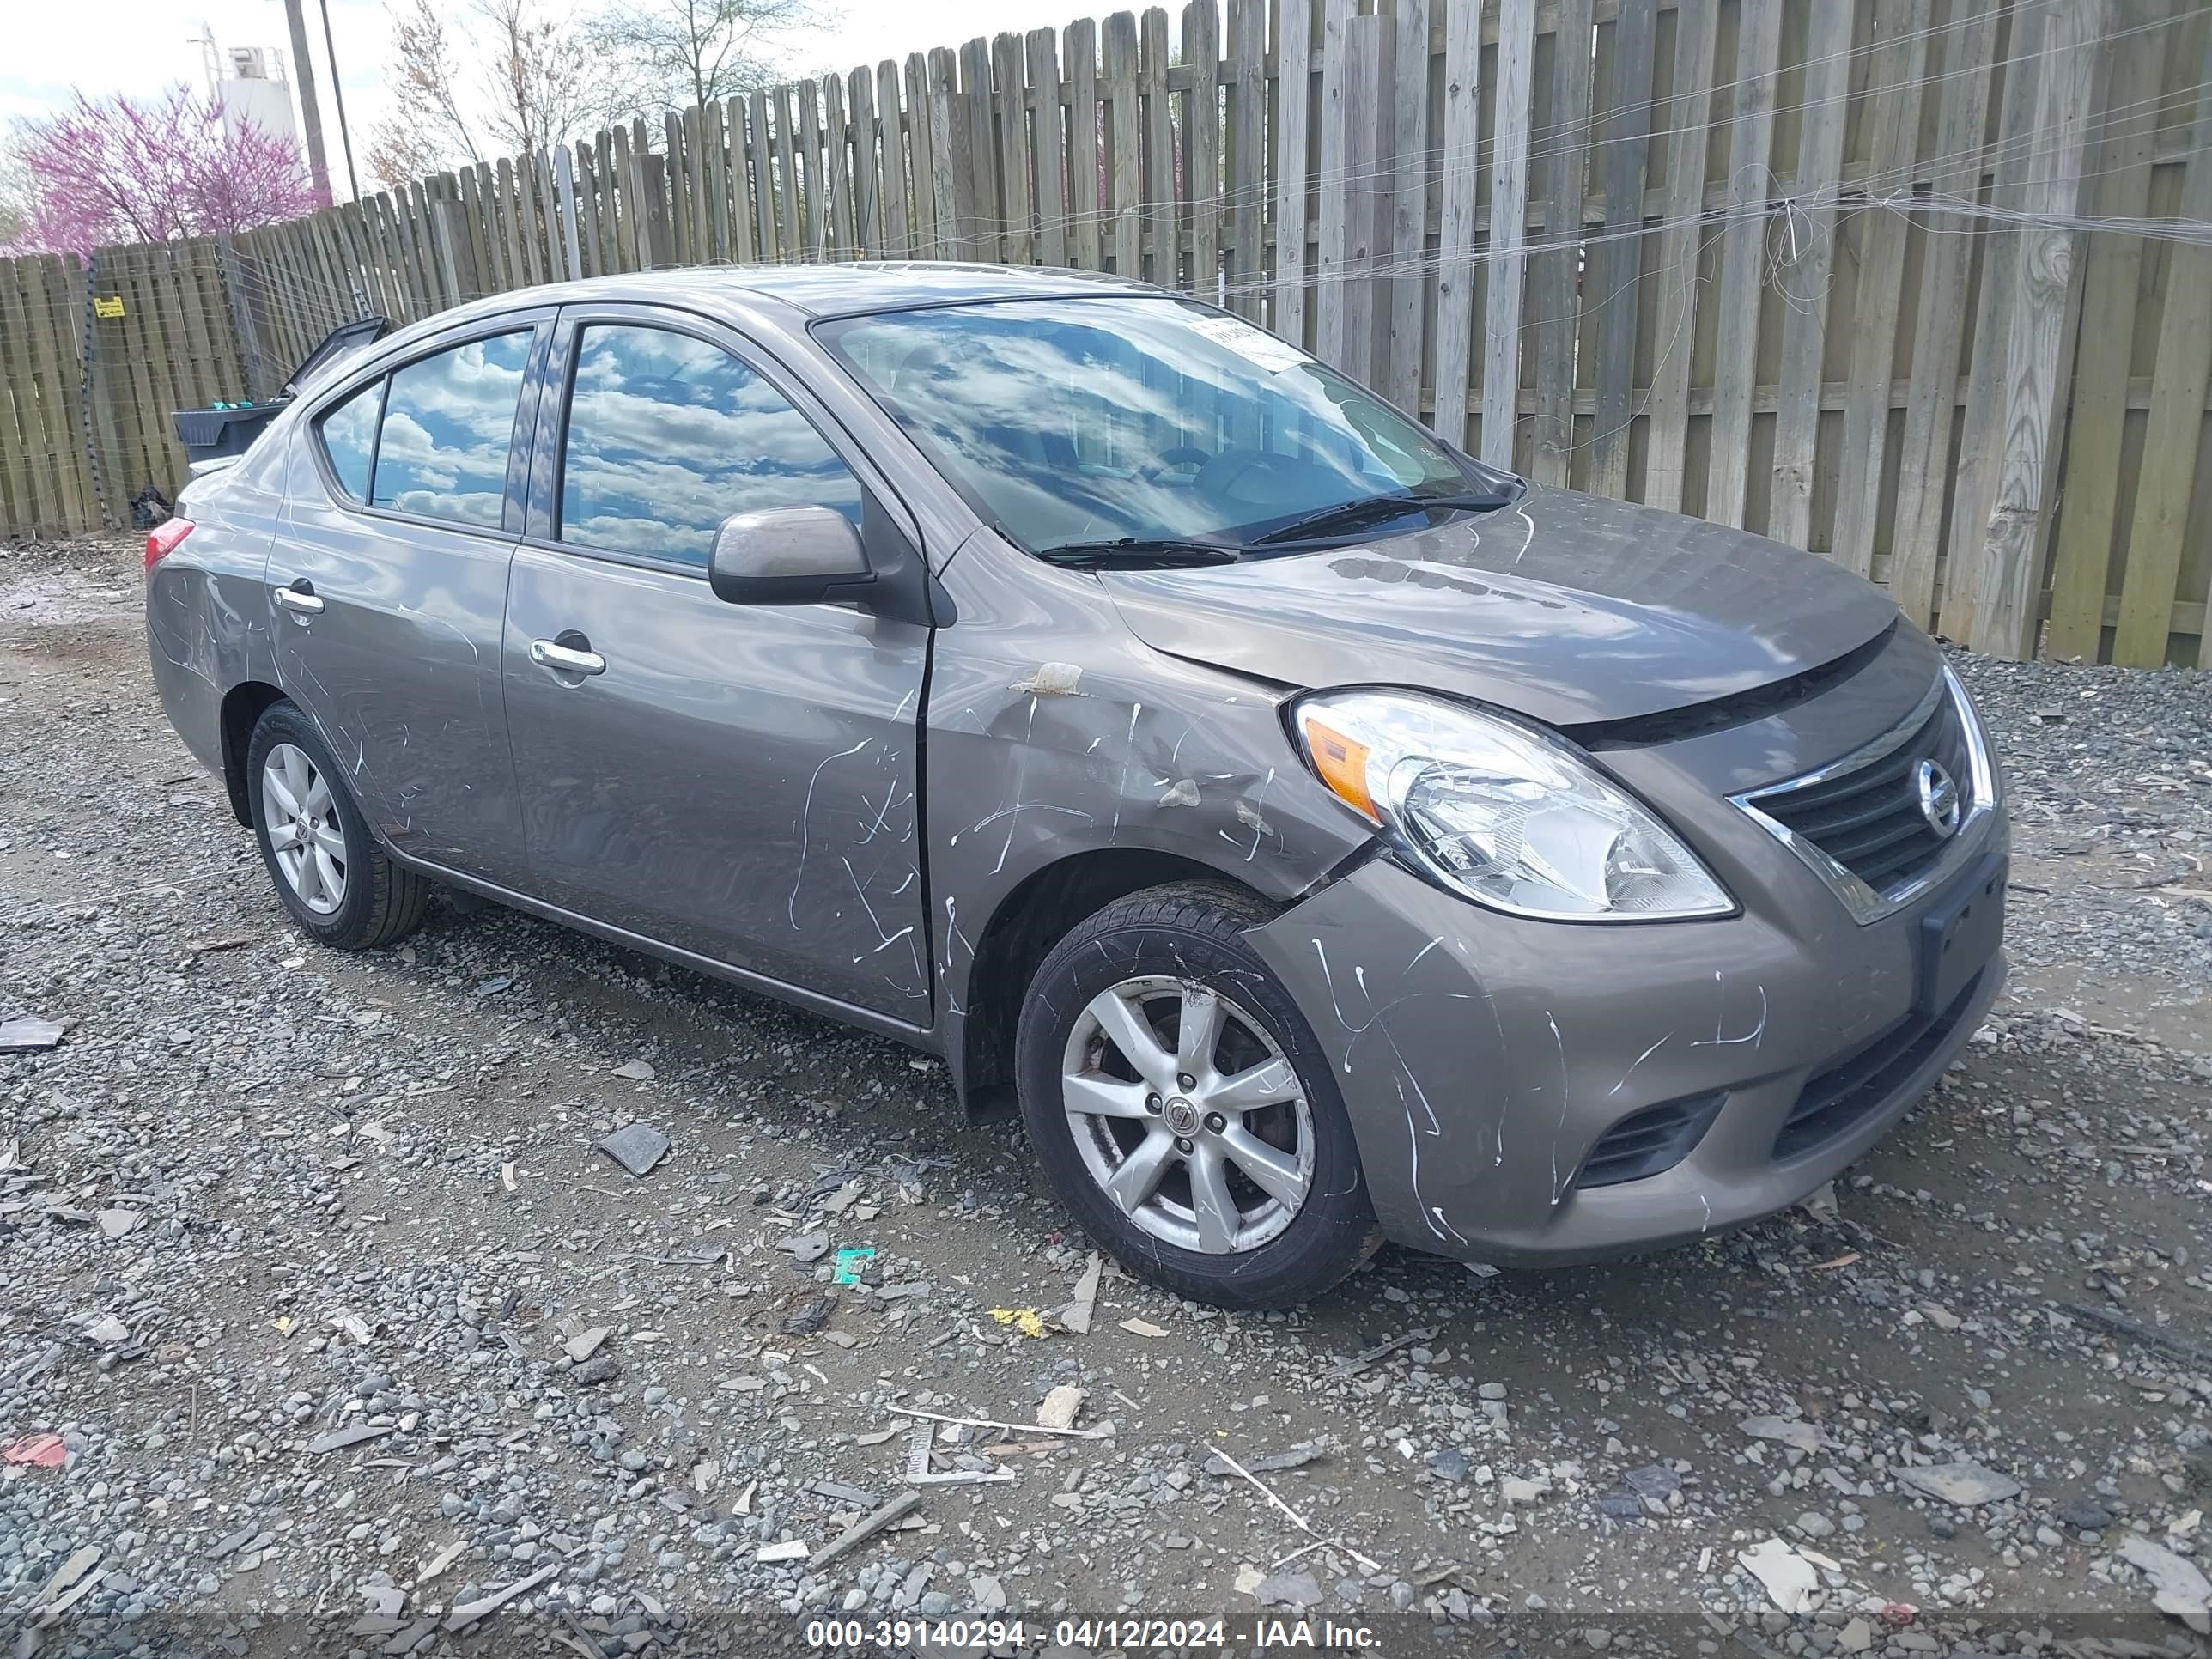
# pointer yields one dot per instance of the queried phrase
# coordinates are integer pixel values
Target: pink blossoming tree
(114, 170)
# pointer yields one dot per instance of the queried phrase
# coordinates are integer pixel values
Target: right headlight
(1500, 812)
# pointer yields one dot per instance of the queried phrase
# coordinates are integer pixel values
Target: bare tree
(539, 79)
(518, 80)
(427, 129)
(663, 54)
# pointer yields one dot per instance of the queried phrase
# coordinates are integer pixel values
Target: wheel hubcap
(306, 834)
(1187, 1114)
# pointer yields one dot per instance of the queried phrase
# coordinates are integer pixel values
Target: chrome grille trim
(1866, 903)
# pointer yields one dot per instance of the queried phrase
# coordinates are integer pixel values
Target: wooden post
(2006, 580)
(1293, 114)
(1456, 175)
(1509, 230)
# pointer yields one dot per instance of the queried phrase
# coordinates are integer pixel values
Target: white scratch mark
(790, 908)
(1637, 1061)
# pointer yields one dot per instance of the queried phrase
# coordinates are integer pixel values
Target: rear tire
(1220, 1165)
(339, 885)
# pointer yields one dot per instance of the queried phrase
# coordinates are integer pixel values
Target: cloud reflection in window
(669, 435)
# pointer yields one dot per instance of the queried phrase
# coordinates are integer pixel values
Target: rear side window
(669, 435)
(349, 439)
(448, 423)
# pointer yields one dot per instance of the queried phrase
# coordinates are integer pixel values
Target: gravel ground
(346, 1331)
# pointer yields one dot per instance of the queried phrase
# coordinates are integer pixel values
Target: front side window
(668, 436)
(1089, 421)
(448, 424)
(348, 437)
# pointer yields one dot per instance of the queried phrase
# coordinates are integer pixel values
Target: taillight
(165, 538)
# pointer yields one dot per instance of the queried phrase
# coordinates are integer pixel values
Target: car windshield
(1136, 425)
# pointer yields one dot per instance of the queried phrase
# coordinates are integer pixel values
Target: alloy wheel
(1188, 1115)
(306, 835)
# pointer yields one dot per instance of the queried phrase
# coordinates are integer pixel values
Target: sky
(143, 46)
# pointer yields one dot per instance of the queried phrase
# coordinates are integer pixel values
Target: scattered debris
(1359, 1361)
(806, 1246)
(438, 1562)
(582, 1346)
(1790, 1431)
(850, 1265)
(791, 1549)
(1367, 1563)
(352, 1435)
(2196, 1353)
(1097, 1431)
(465, 1614)
(114, 1223)
(1792, 1581)
(636, 1071)
(1296, 1457)
(1076, 1316)
(637, 1148)
(812, 1314)
(108, 1331)
(919, 1473)
(859, 1532)
(21, 1037)
(200, 947)
(1964, 1483)
(1143, 1327)
(593, 1372)
(1060, 1407)
(2183, 1591)
(1027, 1320)
(39, 1451)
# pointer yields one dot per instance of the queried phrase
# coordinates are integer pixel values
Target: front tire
(1182, 1108)
(338, 883)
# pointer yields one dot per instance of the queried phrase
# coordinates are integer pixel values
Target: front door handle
(299, 597)
(566, 659)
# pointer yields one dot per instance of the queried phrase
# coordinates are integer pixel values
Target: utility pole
(311, 114)
(338, 93)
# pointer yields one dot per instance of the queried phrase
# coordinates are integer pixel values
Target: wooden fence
(1923, 285)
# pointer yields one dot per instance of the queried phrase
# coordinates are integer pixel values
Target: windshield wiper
(1377, 509)
(1137, 552)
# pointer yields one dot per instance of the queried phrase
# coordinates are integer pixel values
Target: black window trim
(537, 320)
(541, 523)
(323, 412)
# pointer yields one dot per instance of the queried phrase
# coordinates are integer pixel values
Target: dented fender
(1054, 733)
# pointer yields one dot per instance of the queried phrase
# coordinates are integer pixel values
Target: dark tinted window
(349, 439)
(669, 435)
(447, 425)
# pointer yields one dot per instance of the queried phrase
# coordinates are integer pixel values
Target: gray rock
(637, 1148)
(1964, 1483)
(1289, 1589)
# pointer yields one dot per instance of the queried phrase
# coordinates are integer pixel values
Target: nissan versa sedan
(1315, 835)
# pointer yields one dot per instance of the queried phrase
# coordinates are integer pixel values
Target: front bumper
(1482, 1057)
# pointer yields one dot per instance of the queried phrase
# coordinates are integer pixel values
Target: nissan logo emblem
(1938, 793)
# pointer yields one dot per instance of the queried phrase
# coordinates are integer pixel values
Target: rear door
(388, 583)
(736, 780)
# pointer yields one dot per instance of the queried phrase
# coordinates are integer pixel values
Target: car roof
(831, 289)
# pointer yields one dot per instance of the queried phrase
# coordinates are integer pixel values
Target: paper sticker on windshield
(1255, 345)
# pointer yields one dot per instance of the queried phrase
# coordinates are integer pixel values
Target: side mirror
(788, 556)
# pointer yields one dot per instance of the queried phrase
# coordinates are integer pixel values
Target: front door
(387, 586)
(736, 780)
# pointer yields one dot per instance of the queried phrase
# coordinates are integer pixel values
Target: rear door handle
(565, 660)
(301, 596)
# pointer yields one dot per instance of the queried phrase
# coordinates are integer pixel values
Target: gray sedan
(1316, 837)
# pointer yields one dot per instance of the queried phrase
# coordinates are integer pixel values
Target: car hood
(1563, 607)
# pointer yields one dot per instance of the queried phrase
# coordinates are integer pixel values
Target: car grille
(1857, 1087)
(1869, 820)
(1648, 1142)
